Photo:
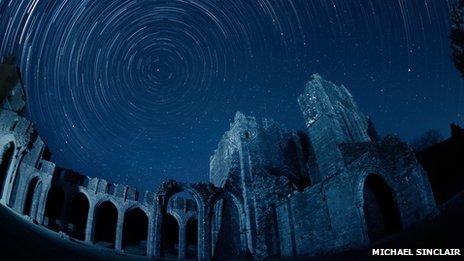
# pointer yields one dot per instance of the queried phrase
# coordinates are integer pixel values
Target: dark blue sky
(141, 91)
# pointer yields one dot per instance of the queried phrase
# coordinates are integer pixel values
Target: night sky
(140, 91)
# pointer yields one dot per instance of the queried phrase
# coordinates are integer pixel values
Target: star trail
(139, 91)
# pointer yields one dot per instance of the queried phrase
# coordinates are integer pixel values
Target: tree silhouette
(426, 140)
(457, 36)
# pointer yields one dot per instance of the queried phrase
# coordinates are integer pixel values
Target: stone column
(42, 201)
(204, 233)
(151, 234)
(89, 228)
(119, 228)
(182, 241)
(248, 197)
(158, 224)
(9, 177)
(20, 194)
(35, 201)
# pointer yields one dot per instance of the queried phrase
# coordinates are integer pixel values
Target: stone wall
(304, 194)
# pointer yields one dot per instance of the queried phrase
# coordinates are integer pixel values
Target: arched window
(106, 224)
(380, 209)
(53, 208)
(77, 217)
(135, 232)
(180, 206)
(7, 158)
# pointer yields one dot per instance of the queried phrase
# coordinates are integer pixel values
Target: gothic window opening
(170, 242)
(135, 232)
(106, 224)
(181, 207)
(53, 209)
(32, 197)
(226, 230)
(380, 209)
(78, 214)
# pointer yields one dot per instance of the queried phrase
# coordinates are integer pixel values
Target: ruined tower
(332, 118)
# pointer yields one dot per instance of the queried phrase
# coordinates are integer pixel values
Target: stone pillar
(42, 203)
(158, 224)
(34, 210)
(248, 197)
(89, 228)
(119, 228)
(204, 234)
(21, 194)
(182, 241)
(45, 184)
(9, 177)
(286, 229)
(151, 234)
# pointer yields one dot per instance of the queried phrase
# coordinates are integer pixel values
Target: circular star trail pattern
(138, 91)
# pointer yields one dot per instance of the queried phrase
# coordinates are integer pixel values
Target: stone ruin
(272, 192)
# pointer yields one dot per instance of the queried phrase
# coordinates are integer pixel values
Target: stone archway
(106, 224)
(381, 213)
(31, 202)
(135, 232)
(192, 237)
(170, 241)
(183, 207)
(197, 193)
(6, 160)
(53, 209)
(77, 216)
(228, 238)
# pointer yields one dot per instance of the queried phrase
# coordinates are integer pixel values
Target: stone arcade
(272, 192)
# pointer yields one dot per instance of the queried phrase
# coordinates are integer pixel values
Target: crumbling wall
(269, 163)
(329, 216)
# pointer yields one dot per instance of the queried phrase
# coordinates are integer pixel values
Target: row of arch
(76, 216)
(225, 221)
(178, 239)
(380, 209)
(135, 228)
(72, 217)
